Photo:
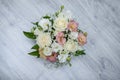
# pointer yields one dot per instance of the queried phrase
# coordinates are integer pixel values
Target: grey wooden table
(100, 18)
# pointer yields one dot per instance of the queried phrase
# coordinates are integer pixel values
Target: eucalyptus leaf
(29, 35)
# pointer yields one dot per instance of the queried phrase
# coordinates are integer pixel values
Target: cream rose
(70, 46)
(44, 39)
(47, 51)
(60, 23)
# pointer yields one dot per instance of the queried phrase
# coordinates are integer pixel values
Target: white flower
(37, 31)
(67, 14)
(73, 35)
(44, 39)
(56, 47)
(60, 23)
(62, 58)
(47, 51)
(44, 23)
(71, 46)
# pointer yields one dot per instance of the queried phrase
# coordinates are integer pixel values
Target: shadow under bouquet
(58, 38)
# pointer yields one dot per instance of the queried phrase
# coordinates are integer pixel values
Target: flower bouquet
(58, 38)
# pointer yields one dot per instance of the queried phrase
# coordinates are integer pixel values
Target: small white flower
(47, 51)
(44, 23)
(37, 31)
(43, 39)
(73, 35)
(56, 47)
(62, 58)
(71, 46)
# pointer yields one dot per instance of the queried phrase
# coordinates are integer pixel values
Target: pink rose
(52, 58)
(72, 25)
(82, 39)
(60, 38)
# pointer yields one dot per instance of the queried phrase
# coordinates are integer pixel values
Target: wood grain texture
(100, 18)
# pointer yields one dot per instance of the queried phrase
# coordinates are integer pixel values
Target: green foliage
(35, 47)
(46, 17)
(34, 53)
(61, 9)
(79, 52)
(29, 35)
(35, 23)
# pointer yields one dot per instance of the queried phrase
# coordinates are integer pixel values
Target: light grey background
(100, 18)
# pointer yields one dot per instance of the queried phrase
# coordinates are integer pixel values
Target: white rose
(73, 35)
(44, 39)
(71, 46)
(62, 58)
(44, 23)
(56, 47)
(60, 23)
(47, 51)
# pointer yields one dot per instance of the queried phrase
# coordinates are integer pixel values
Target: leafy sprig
(79, 52)
(29, 35)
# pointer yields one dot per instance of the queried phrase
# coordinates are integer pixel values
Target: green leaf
(33, 29)
(70, 64)
(29, 35)
(46, 17)
(52, 21)
(35, 23)
(68, 59)
(59, 11)
(35, 47)
(34, 53)
(39, 27)
(79, 52)
(61, 8)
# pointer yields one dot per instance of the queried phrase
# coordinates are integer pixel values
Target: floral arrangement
(58, 38)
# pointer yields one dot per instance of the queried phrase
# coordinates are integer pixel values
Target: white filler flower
(44, 39)
(56, 47)
(62, 57)
(44, 23)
